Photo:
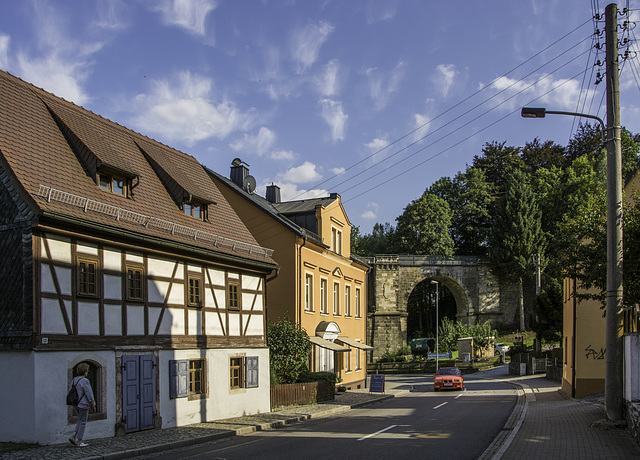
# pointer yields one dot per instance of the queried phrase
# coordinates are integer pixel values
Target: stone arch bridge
(479, 295)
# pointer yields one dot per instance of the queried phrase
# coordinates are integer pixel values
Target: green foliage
(289, 350)
(517, 230)
(548, 309)
(382, 240)
(423, 227)
(398, 356)
(450, 332)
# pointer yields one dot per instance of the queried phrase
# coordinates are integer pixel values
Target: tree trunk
(521, 305)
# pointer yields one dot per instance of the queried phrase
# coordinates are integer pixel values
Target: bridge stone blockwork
(479, 295)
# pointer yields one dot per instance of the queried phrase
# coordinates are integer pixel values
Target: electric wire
(377, 152)
(461, 141)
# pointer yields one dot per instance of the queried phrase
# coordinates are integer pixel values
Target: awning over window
(328, 344)
(353, 343)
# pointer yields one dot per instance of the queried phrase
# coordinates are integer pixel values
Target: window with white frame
(323, 296)
(347, 361)
(336, 299)
(347, 301)
(358, 363)
(336, 240)
(357, 302)
(308, 292)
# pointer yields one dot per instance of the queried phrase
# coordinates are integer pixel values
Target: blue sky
(372, 99)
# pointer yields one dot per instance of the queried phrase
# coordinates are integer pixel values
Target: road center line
(439, 405)
(458, 396)
(377, 433)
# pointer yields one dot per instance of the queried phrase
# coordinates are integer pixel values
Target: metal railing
(51, 194)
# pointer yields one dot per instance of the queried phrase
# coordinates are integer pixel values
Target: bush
(289, 349)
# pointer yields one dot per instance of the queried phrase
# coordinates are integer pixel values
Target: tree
(548, 311)
(382, 240)
(423, 227)
(517, 233)
(289, 351)
(547, 155)
(497, 161)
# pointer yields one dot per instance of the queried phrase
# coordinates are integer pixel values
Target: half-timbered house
(118, 251)
(321, 285)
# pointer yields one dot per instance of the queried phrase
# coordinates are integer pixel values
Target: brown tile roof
(47, 141)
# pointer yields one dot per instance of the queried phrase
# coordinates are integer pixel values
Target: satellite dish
(249, 184)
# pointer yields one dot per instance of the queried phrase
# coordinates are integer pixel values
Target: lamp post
(613, 358)
(437, 355)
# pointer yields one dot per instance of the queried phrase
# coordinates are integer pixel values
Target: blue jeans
(82, 421)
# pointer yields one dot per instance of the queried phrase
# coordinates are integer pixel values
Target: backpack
(72, 396)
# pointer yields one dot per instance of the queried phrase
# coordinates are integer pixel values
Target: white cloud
(188, 14)
(301, 174)
(420, 125)
(372, 211)
(108, 15)
(561, 93)
(282, 155)
(184, 111)
(377, 144)
(327, 83)
(259, 143)
(4, 51)
(289, 192)
(60, 64)
(306, 43)
(337, 171)
(335, 117)
(383, 84)
(377, 148)
(380, 10)
(445, 78)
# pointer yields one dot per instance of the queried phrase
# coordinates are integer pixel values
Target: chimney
(239, 170)
(273, 193)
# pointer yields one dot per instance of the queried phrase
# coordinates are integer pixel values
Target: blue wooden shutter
(179, 378)
(148, 385)
(130, 385)
(251, 372)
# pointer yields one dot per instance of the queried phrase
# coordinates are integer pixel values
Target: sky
(372, 99)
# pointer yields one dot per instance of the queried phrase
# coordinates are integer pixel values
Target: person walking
(85, 401)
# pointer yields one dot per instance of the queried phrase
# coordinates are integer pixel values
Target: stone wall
(479, 295)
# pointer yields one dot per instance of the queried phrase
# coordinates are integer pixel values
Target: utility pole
(613, 361)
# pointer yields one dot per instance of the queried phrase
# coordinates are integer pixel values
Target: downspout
(573, 342)
(304, 237)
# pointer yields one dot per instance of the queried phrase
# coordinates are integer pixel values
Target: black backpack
(72, 396)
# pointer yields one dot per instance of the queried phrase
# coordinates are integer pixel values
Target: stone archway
(479, 295)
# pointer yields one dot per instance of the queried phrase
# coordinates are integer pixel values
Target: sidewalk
(547, 424)
(544, 424)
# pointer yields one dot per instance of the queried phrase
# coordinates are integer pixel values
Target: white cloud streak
(335, 117)
(301, 174)
(445, 77)
(191, 15)
(184, 111)
(383, 84)
(259, 143)
(306, 43)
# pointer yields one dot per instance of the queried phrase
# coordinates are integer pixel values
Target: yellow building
(321, 286)
(584, 336)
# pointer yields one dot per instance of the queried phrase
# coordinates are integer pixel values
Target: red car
(448, 378)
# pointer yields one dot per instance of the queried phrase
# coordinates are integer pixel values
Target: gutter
(300, 281)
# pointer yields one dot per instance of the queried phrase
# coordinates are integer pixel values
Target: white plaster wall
(113, 287)
(251, 302)
(35, 391)
(111, 260)
(60, 248)
(88, 318)
(221, 402)
(213, 325)
(135, 320)
(16, 398)
(217, 277)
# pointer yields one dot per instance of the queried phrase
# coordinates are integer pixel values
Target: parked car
(500, 347)
(448, 378)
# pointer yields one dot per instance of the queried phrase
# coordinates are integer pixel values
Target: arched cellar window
(96, 377)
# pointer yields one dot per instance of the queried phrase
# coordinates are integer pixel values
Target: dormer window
(114, 184)
(195, 210)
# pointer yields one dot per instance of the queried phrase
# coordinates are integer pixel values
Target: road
(422, 424)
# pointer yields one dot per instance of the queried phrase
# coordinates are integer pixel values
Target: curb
(503, 440)
(273, 425)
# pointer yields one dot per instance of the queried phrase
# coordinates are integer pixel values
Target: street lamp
(437, 357)
(613, 379)
(540, 112)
